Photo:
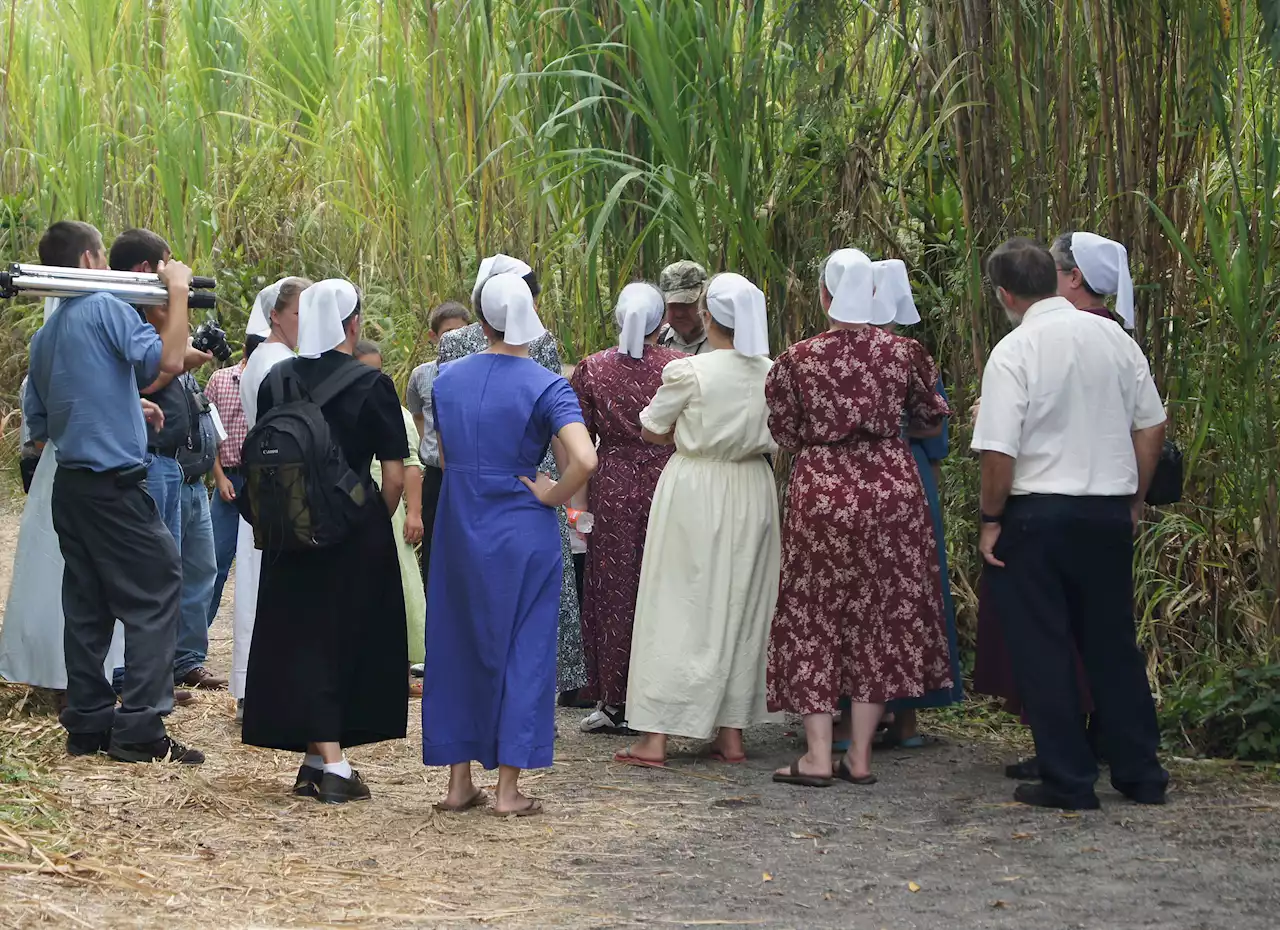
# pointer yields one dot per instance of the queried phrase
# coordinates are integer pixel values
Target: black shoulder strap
(339, 381)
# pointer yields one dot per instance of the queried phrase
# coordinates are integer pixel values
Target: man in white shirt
(1070, 429)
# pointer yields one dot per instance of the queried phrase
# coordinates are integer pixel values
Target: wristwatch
(988, 518)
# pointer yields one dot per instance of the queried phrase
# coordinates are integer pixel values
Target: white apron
(31, 638)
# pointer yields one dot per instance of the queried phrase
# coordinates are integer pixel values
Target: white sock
(315, 762)
(341, 769)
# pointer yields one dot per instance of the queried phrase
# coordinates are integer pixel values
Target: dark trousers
(432, 479)
(121, 562)
(1069, 579)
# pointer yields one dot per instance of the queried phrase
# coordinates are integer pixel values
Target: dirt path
(699, 845)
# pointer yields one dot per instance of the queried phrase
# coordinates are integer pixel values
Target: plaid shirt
(223, 391)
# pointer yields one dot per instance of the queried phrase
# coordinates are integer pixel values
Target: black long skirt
(329, 658)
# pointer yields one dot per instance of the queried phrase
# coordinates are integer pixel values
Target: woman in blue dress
(493, 596)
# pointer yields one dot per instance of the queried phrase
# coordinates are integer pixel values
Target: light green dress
(415, 599)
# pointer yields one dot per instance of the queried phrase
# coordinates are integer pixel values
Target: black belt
(119, 477)
(231, 469)
(163, 453)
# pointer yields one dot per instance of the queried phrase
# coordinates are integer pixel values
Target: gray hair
(1065, 259)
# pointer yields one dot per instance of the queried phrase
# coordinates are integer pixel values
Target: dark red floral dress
(613, 388)
(860, 607)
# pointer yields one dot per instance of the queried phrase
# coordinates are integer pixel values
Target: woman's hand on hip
(542, 488)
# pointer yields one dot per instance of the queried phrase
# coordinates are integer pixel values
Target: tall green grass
(395, 141)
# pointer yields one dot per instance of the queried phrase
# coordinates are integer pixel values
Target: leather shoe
(88, 744)
(1024, 770)
(334, 789)
(307, 784)
(201, 677)
(1142, 793)
(1044, 796)
(161, 750)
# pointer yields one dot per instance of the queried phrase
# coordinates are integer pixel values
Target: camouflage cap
(683, 282)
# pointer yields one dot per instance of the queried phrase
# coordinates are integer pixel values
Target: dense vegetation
(394, 141)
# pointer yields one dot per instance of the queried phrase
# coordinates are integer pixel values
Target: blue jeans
(164, 484)
(199, 569)
(226, 525)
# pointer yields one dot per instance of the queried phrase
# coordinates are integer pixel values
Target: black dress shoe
(307, 784)
(161, 750)
(1044, 796)
(1143, 793)
(1024, 770)
(88, 744)
(334, 789)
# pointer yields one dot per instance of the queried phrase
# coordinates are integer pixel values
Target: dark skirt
(992, 667)
(329, 658)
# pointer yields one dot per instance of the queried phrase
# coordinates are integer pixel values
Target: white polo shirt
(1061, 394)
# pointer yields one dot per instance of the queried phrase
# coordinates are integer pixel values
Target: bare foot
(857, 770)
(514, 803)
(808, 765)
(728, 745)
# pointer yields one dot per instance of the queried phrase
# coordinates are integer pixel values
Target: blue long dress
(926, 452)
(493, 593)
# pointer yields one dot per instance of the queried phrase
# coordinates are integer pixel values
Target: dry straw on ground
(89, 842)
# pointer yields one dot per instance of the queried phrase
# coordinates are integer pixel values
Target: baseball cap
(683, 282)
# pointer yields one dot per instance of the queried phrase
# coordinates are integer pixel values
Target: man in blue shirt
(175, 475)
(121, 562)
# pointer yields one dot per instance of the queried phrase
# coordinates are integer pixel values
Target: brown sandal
(844, 773)
(796, 777)
(533, 810)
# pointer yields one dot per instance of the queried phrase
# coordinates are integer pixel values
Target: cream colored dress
(415, 598)
(709, 580)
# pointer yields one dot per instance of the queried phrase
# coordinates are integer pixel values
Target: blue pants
(199, 571)
(226, 524)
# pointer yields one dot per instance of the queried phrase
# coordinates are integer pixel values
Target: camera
(209, 337)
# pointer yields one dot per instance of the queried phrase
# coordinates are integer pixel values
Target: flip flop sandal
(479, 799)
(844, 774)
(625, 757)
(533, 810)
(796, 777)
(716, 755)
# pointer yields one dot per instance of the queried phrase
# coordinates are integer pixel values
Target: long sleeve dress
(709, 581)
(613, 388)
(493, 595)
(860, 605)
(571, 669)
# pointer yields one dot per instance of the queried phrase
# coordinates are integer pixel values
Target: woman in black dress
(326, 669)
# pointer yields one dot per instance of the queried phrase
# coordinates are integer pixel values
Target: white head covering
(497, 264)
(507, 305)
(863, 291)
(263, 304)
(737, 304)
(893, 290)
(639, 312)
(1105, 266)
(50, 305)
(321, 311)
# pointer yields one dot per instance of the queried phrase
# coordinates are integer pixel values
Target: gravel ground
(937, 843)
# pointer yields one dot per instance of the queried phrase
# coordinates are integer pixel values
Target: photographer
(178, 492)
(86, 363)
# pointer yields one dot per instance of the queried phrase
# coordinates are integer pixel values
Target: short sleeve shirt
(1062, 394)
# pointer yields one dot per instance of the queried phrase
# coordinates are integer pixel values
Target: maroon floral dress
(613, 388)
(860, 607)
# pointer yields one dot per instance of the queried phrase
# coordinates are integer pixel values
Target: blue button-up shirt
(82, 387)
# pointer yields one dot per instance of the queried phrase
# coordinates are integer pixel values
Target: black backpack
(300, 493)
(1166, 483)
